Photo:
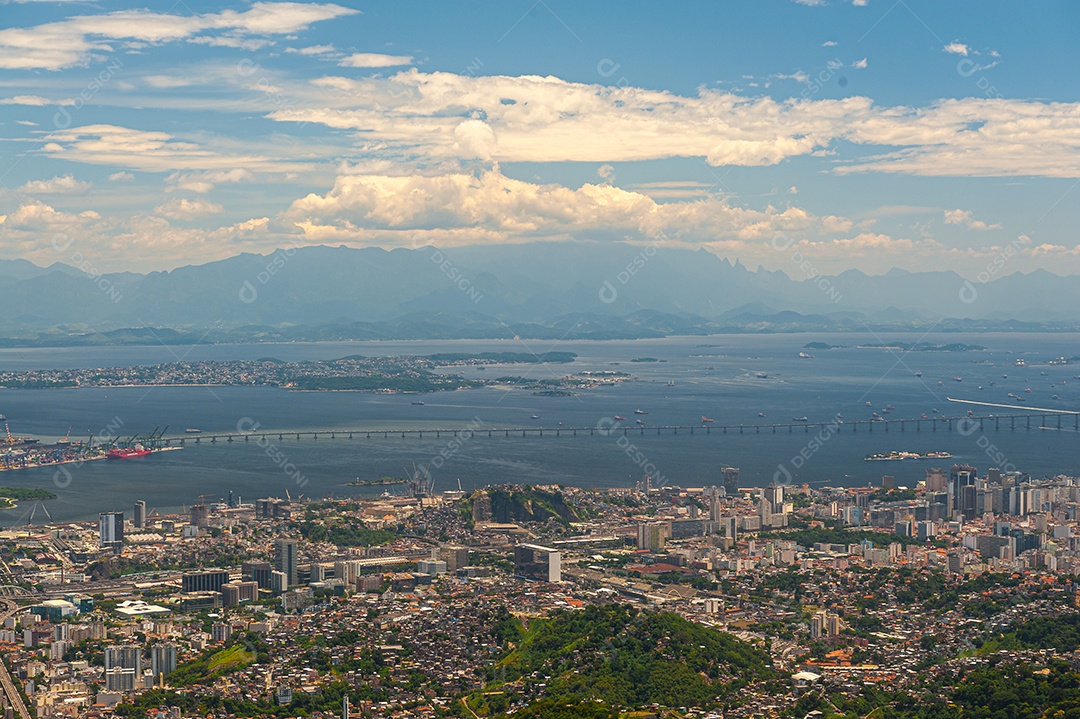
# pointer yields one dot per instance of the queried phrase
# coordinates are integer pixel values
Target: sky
(850, 134)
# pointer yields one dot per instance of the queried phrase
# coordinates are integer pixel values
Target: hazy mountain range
(537, 290)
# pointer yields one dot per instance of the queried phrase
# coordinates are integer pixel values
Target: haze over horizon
(863, 135)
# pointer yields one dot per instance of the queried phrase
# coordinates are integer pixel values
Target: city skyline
(864, 134)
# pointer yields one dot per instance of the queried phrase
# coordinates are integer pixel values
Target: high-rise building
(536, 562)
(937, 480)
(285, 559)
(123, 665)
(962, 489)
(653, 535)
(258, 572)
(111, 529)
(199, 515)
(139, 518)
(234, 593)
(208, 581)
(163, 659)
(731, 481)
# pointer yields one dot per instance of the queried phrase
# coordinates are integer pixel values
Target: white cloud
(75, 40)
(859, 64)
(203, 182)
(829, 43)
(115, 146)
(811, 3)
(181, 208)
(860, 3)
(963, 217)
(311, 50)
(121, 177)
(65, 185)
(957, 48)
(33, 101)
(370, 59)
(494, 208)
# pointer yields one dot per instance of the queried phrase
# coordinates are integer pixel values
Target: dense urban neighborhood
(954, 598)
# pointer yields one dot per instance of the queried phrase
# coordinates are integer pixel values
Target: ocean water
(713, 376)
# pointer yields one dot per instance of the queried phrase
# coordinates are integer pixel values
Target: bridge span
(1058, 421)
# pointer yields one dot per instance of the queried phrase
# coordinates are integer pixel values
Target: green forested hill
(624, 657)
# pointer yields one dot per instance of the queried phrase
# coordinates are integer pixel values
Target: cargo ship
(127, 452)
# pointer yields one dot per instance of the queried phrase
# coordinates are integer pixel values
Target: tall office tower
(731, 481)
(285, 559)
(163, 659)
(111, 529)
(962, 489)
(936, 480)
(775, 494)
(139, 520)
(200, 515)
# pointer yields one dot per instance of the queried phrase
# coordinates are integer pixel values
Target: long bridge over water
(1055, 421)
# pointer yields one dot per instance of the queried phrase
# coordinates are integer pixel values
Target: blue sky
(865, 134)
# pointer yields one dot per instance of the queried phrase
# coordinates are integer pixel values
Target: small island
(898, 456)
(9, 495)
(381, 481)
(923, 347)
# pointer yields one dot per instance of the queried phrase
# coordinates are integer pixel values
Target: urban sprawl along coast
(537, 601)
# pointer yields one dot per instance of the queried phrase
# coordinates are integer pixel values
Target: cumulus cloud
(75, 40)
(371, 59)
(203, 182)
(964, 218)
(121, 177)
(957, 48)
(859, 64)
(181, 208)
(65, 185)
(493, 206)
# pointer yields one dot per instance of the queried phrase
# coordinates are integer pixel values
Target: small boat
(761, 375)
(536, 416)
(803, 355)
(640, 411)
(940, 382)
(620, 418)
(760, 414)
(193, 430)
(640, 421)
(869, 404)
(707, 420)
(1056, 397)
(671, 383)
(1028, 390)
(958, 379)
(419, 403)
(800, 419)
(918, 374)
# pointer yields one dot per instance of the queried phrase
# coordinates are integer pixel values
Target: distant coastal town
(427, 373)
